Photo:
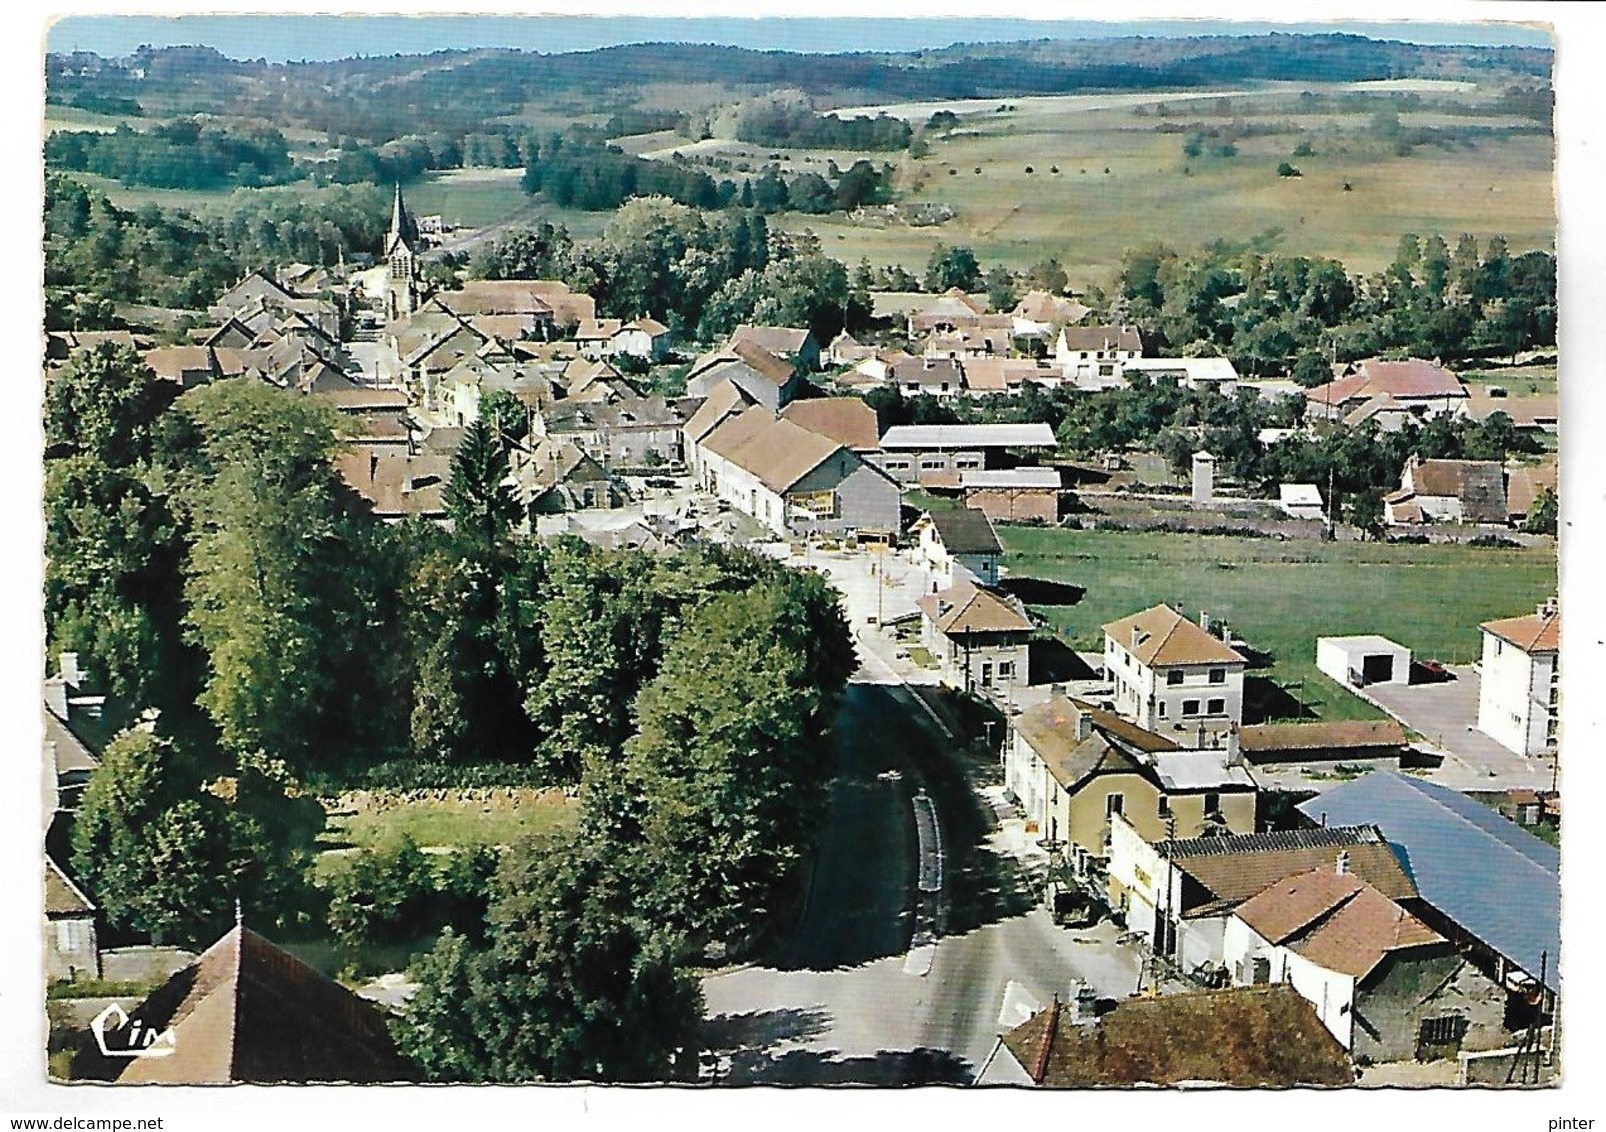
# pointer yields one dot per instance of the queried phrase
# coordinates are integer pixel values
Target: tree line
(1275, 313)
(185, 153)
(206, 560)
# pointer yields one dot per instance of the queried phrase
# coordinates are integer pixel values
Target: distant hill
(449, 90)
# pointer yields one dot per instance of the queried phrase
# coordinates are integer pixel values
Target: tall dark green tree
(482, 503)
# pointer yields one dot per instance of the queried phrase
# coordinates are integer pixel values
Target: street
(841, 1002)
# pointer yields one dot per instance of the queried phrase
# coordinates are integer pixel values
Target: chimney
(373, 466)
(1084, 1005)
(1136, 635)
(1342, 866)
(1204, 620)
(1235, 751)
(68, 665)
(1084, 724)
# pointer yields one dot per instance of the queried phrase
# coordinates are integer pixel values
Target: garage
(1359, 662)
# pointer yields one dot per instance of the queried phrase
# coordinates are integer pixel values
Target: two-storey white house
(1171, 675)
(1519, 691)
(958, 545)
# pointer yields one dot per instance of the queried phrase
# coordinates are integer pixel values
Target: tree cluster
(794, 124)
(1267, 311)
(187, 153)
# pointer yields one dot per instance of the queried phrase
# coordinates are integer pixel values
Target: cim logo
(140, 1041)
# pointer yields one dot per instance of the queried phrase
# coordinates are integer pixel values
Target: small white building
(1357, 662)
(1300, 501)
(1171, 675)
(1204, 478)
(1519, 693)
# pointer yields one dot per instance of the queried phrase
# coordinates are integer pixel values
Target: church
(402, 296)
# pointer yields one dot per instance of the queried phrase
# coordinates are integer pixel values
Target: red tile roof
(1534, 633)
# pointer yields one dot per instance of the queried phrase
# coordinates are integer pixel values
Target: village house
(1171, 675)
(1389, 393)
(1189, 373)
(1448, 491)
(1050, 311)
(1196, 1037)
(1519, 689)
(979, 635)
(911, 452)
(1179, 893)
(724, 402)
(1489, 886)
(790, 343)
(557, 475)
(985, 376)
(793, 480)
(644, 338)
(630, 432)
(1095, 357)
(950, 311)
(463, 387)
(397, 480)
(846, 420)
(957, 545)
(764, 378)
(992, 337)
(1073, 767)
(1386, 985)
(929, 376)
(72, 952)
(246, 1011)
(1526, 484)
(846, 350)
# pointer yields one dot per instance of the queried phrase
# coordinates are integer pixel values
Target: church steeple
(402, 226)
(401, 285)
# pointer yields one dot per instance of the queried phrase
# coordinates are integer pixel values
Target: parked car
(1435, 672)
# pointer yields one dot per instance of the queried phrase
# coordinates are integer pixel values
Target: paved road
(841, 1003)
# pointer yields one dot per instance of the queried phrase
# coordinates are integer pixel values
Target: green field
(1280, 596)
(456, 820)
(1088, 217)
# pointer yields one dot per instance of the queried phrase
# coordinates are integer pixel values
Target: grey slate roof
(1498, 882)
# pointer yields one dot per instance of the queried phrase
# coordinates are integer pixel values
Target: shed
(1359, 661)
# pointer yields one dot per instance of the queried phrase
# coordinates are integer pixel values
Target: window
(933, 464)
(1162, 709)
(1114, 804)
(1173, 678)
(1216, 707)
(1218, 675)
(1212, 803)
(1006, 670)
(1162, 806)
(70, 935)
(1190, 707)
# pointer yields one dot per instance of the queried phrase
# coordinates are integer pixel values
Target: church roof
(402, 225)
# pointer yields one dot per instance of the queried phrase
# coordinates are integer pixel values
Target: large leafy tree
(723, 788)
(575, 983)
(112, 544)
(149, 847)
(286, 579)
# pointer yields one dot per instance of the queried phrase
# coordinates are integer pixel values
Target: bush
(1287, 170)
(397, 893)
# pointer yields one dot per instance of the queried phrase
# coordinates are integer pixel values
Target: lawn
(482, 816)
(1280, 596)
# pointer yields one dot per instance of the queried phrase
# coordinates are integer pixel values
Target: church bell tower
(401, 274)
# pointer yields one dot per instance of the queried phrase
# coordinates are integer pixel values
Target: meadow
(1121, 182)
(1280, 596)
(445, 819)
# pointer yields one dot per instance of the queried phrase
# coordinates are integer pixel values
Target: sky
(317, 37)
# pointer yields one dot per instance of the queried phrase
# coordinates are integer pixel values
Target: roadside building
(846, 420)
(1519, 694)
(979, 636)
(794, 344)
(1189, 373)
(1171, 675)
(1301, 501)
(1191, 1038)
(557, 475)
(1488, 885)
(1073, 767)
(795, 481)
(1179, 893)
(72, 952)
(957, 545)
(1095, 357)
(1385, 984)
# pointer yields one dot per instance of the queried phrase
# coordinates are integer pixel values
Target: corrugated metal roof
(968, 436)
(1497, 881)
